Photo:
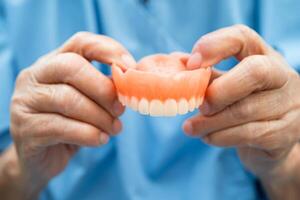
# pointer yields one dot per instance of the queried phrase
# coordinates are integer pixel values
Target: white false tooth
(156, 108)
(144, 106)
(121, 99)
(199, 101)
(127, 101)
(183, 106)
(170, 107)
(134, 103)
(192, 104)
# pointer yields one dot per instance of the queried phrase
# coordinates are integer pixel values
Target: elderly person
(58, 139)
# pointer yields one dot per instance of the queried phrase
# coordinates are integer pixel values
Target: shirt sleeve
(7, 78)
(279, 24)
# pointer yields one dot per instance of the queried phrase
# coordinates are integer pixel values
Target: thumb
(238, 40)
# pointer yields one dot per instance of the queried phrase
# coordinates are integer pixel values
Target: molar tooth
(144, 106)
(156, 108)
(134, 103)
(170, 107)
(199, 101)
(192, 104)
(183, 106)
(121, 99)
(127, 101)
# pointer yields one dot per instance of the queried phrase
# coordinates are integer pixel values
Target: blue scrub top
(152, 158)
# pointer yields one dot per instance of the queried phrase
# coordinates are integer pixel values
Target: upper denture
(158, 80)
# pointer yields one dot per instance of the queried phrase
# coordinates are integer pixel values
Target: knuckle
(113, 45)
(48, 127)
(252, 42)
(68, 100)
(17, 99)
(257, 68)
(80, 36)
(69, 58)
(242, 27)
(72, 64)
(17, 119)
(253, 135)
(43, 94)
(20, 124)
(245, 30)
(241, 110)
(266, 137)
(45, 58)
(24, 75)
(17, 112)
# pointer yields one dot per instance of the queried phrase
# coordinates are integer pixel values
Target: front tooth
(170, 107)
(121, 99)
(183, 106)
(156, 108)
(144, 106)
(134, 103)
(192, 104)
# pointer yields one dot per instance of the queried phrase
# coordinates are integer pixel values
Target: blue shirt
(152, 158)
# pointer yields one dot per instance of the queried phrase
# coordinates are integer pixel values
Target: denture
(161, 85)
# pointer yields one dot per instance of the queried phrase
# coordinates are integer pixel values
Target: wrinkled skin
(254, 107)
(62, 102)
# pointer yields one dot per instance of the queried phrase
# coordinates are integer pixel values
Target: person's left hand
(254, 107)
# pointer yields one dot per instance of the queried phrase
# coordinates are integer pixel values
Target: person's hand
(62, 102)
(255, 106)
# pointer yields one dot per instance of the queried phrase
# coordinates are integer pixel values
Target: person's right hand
(62, 102)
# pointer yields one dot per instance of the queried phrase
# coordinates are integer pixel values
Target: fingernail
(128, 61)
(188, 128)
(118, 108)
(104, 138)
(194, 61)
(117, 126)
(205, 108)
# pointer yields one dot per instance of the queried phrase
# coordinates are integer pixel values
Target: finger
(260, 106)
(216, 73)
(265, 135)
(239, 41)
(255, 73)
(99, 48)
(66, 100)
(48, 129)
(72, 69)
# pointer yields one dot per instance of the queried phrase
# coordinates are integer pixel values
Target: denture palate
(161, 85)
